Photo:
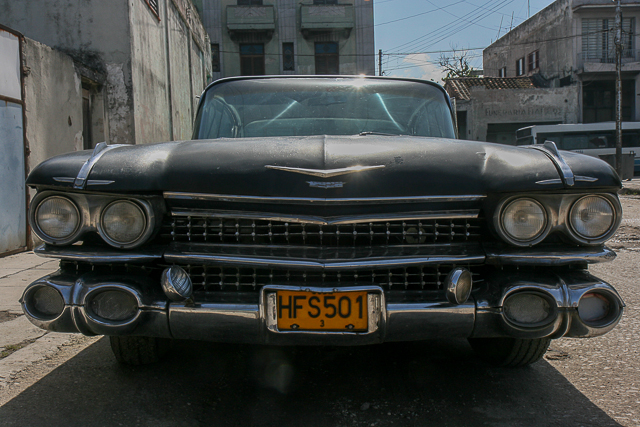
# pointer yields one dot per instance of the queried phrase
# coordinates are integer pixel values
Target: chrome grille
(197, 229)
(220, 279)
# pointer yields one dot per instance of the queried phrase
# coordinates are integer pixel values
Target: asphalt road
(592, 382)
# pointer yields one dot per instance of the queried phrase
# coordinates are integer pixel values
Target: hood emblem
(325, 185)
(325, 173)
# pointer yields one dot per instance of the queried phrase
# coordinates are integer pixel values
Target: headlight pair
(526, 221)
(61, 220)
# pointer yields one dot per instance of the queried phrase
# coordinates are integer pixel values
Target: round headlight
(592, 217)
(524, 219)
(123, 222)
(57, 218)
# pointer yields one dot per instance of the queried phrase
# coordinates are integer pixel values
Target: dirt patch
(6, 316)
(14, 347)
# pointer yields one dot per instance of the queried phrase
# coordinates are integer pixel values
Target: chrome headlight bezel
(500, 228)
(601, 238)
(90, 207)
(145, 213)
(35, 224)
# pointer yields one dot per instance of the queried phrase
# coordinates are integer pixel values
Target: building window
(325, 1)
(288, 63)
(533, 61)
(249, 2)
(86, 118)
(502, 72)
(215, 57)
(327, 58)
(252, 59)
(153, 5)
(520, 67)
(599, 100)
(598, 37)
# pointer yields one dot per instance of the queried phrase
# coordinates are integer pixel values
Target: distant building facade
(565, 55)
(256, 37)
(571, 42)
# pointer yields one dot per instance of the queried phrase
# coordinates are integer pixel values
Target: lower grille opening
(208, 279)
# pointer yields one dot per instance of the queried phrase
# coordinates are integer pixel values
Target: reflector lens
(592, 217)
(524, 219)
(114, 305)
(593, 307)
(176, 283)
(57, 218)
(123, 222)
(47, 302)
(528, 309)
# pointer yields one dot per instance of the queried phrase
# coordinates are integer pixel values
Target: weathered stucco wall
(553, 25)
(170, 65)
(151, 108)
(95, 33)
(53, 103)
(523, 106)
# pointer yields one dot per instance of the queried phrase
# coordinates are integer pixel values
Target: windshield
(322, 106)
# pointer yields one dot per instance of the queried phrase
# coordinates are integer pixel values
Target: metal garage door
(13, 223)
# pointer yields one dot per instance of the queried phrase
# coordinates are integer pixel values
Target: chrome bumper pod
(246, 317)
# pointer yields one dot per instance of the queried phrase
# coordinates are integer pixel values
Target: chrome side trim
(513, 256)
(550, 149)
(359, 219)
(71, 180)
(326, 173)
(81, 180)
(318, 201)
(97, 255)
(578, 178)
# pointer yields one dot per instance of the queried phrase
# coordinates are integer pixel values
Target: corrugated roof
(459, 87)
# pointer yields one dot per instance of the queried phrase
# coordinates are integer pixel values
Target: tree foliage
(456, 65)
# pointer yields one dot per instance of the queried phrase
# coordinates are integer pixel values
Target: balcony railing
(251, 18)
(592, 59)
(327, 17)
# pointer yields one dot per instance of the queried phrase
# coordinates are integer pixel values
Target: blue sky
(421, 28)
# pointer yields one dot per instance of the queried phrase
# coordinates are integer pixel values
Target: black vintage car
(325, 211)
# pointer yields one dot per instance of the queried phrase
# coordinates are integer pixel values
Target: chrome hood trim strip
(549, 148)
(328, 173)
(80, 181)
(359, 219)
(318, 201)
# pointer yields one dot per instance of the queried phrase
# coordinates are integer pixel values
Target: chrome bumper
(246, 319)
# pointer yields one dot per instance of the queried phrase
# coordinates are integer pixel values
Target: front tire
(510, 352)
(136, 351)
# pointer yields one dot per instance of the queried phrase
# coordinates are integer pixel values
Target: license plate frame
(372, 295)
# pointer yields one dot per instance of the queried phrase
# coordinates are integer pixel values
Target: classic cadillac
(325, 211)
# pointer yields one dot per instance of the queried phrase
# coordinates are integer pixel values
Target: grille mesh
(220, 279)
(197, 229)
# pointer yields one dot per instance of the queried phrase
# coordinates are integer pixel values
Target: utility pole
(618, 44)
(528, 8)
(380, 62)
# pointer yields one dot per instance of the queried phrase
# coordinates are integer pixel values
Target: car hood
(293, 166)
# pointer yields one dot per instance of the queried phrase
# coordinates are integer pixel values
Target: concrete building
(142, 62)
(571, 42)
(253, 37)
(564, 55)
(78, 73)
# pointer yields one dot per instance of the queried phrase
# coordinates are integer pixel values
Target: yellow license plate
(322, 311)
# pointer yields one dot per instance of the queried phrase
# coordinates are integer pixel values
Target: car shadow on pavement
(433, 383)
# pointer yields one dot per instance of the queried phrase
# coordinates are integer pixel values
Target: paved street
(58, 379)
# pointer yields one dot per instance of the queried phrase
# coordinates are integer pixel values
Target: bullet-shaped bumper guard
(254, 322)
